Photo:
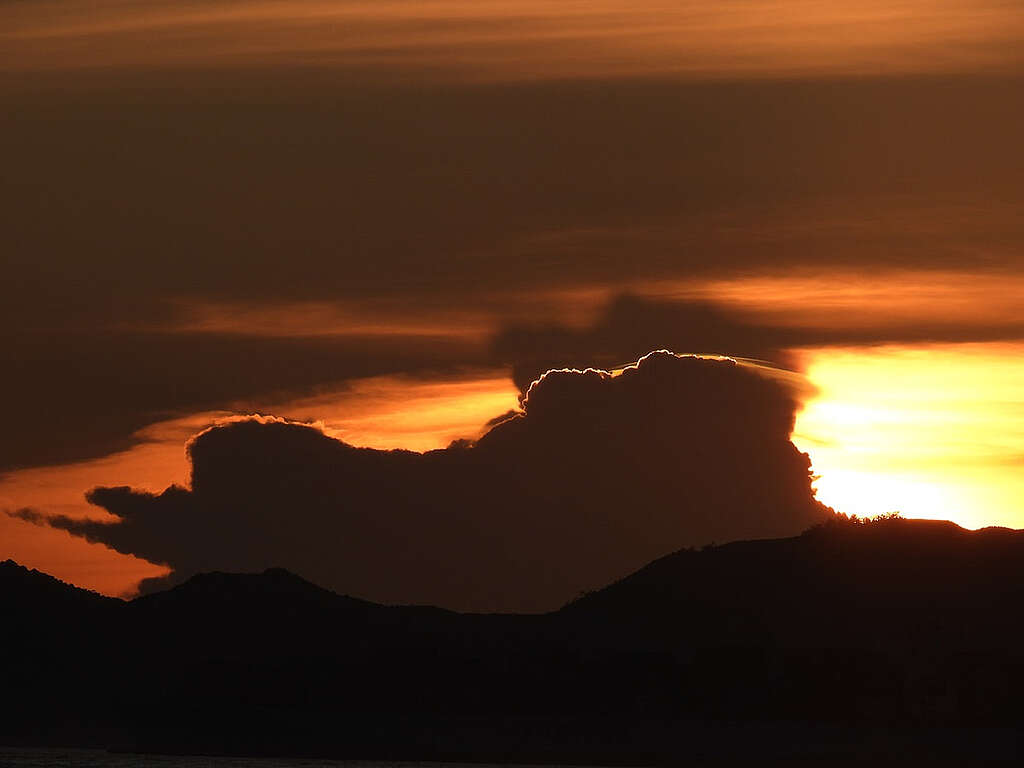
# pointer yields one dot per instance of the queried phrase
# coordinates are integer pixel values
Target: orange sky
(384, 412)
(332, 211)
(497, 39)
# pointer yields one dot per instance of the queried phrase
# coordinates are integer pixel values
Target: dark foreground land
(891, 639)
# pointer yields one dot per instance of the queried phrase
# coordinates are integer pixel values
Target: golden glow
(310, 319)
(524, 39)
(931, 432)
(399, 412)
(384, 412)
(882, 300)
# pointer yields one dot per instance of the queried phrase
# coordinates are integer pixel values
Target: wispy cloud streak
(497, 39)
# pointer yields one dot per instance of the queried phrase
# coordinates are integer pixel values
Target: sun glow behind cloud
(932, 432)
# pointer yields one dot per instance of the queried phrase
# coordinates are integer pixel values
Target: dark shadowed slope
(58, 654)
(887, 585)
(41, 612)
(29, 589)
(850, 640)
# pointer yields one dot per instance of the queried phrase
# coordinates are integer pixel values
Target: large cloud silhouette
(600, 474)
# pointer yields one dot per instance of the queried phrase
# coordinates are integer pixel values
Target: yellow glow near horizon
(930, 432)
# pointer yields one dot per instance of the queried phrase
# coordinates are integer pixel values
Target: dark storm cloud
(601, 475)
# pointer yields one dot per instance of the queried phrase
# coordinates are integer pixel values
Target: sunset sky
(386, 219)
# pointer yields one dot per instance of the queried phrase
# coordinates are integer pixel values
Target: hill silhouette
(886, 584)
(23, 588)
(852, 639)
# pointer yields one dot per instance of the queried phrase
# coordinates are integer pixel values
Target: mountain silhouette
(851, 640)
(29, 589)
(887, 584)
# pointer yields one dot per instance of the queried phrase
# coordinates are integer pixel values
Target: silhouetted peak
(284, 575)
(271, 580)
(11, 570)
(26, 586)
(274, 589)
(845, 581)
(11, 566)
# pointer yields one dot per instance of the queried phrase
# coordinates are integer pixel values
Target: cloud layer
(598, 476)
(527, 39)
(212, 241)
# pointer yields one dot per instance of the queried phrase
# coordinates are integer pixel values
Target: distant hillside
(22, 586)
(905, 630)
(889, 584)
(40, 611)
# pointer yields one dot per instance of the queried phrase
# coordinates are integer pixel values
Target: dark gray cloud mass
(600, 475)
(127, 196)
